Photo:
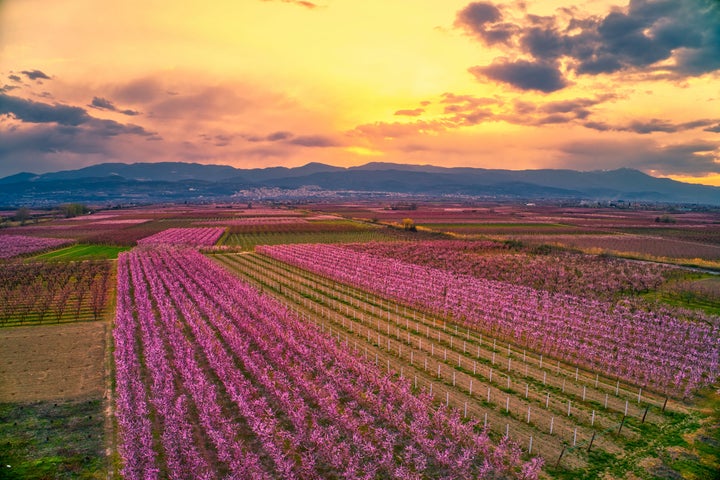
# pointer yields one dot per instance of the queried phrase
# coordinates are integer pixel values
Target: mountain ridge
(181, 180)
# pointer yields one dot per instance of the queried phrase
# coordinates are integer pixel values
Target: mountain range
(178, 181)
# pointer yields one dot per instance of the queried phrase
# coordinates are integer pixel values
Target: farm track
(470, 366)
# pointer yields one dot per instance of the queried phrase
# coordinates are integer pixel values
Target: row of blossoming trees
(37, 292)
(238, 386)
(557, 272)
(14, 245)
(653, 350)
(189, 237)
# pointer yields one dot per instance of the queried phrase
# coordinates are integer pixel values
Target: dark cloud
(28, 111)
(522, 74)
(218, 140)
(38, 112)
(14, 78)
(105, 104)
(411, 113)
(111, 128)
(653, 125)
(102, 103)
(314, 141)
(483, 21)
(715, 129)
(8, 88)
(35, 75)
(676, 38)
(543, 42)
(272, 137)
(679, 159)
(573, 109)
(466, 110)
(277, 136)
(42, 147)
(288, 138)
(555, 118)
(575, 105)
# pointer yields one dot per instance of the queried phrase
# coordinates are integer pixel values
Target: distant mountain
(177, 181)
(18, 177)
(162, 171)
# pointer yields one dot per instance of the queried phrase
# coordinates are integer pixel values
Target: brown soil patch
(52, 362)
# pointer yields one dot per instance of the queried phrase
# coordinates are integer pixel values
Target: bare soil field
(52, 362)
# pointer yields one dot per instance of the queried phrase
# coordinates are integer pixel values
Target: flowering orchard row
(254, 221)
(239, 387)
(14, 245)
(649, 349)
(557, 272)
(192, 237)
(639, 244)
(42, 292)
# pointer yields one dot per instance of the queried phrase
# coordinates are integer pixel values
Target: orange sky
(536, 84)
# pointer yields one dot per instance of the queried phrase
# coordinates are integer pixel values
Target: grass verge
(82, 252)
(55, 440)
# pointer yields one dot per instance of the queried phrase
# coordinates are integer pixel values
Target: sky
(522, 84)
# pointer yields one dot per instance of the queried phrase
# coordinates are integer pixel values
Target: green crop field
(248, 241)
(83, 252)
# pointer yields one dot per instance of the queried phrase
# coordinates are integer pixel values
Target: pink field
(240, 387)
(653, 350)
(581, 275)
(13, 245)
(642, 245)
(255, 221)
(195, 237)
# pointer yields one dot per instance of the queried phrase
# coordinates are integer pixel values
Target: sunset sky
(586, 84)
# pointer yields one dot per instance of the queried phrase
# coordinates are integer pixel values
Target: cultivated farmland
(289, 343)
(271, 394)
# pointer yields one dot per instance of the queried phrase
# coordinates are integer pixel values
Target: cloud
(29, 111)
(35, 75)
(15, 78)
(271, 137)
(695, 158)
(289, 138)
(8, 88)
(277, 136)
(314, 141)
(483, 21)
(653, 37)
(653, 125)
(715, 129)
(388, 131)
(522, 74)
(410, 113)
(38, 112)
(104, 104)
(464, 103)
